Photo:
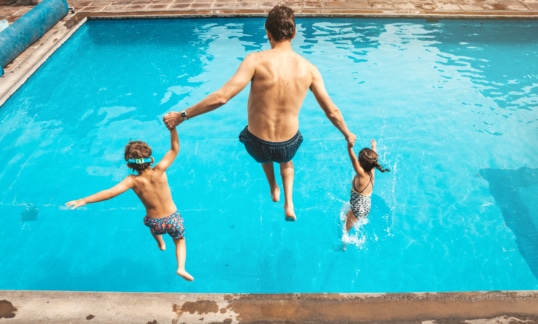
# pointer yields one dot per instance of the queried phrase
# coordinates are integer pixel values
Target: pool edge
(29, 61)
(103, 307)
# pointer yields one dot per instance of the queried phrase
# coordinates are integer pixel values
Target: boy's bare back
(152, 189)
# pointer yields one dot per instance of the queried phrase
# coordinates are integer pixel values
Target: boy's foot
(291, 218)
(290, 213)
(185, 275)
(275, 194)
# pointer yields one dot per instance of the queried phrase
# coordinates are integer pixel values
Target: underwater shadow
(380, 207)
(504, 186)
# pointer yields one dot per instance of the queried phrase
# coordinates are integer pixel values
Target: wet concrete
(76, 307)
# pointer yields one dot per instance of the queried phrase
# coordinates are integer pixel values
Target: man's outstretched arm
(232, 87)
(331, 110)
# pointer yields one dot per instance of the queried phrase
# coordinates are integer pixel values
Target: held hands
(172, 119)
(351, 138)
(76, 203)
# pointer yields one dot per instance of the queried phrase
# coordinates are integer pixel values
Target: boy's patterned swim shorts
(172, 225)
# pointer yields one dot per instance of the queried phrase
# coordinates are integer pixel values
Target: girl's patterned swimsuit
(359, 203)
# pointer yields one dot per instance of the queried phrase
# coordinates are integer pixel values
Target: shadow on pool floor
(506, 187)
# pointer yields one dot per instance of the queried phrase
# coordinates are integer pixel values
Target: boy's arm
(353, 159)
(106, 194)
(170, 156)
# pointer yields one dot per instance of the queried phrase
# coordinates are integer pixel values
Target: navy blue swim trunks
(264, 151)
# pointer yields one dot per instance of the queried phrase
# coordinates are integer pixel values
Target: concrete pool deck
(176, 308)
(78, 307)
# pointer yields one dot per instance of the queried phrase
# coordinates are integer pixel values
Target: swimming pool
(452, 104)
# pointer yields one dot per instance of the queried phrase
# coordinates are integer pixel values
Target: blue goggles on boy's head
(140, 161)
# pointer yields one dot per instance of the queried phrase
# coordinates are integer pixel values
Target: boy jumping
(151, 187)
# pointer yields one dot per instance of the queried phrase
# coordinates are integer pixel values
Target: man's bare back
(277, 91)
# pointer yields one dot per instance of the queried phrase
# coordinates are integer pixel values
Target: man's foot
(185, 275)
(275, 194)
(289, 211)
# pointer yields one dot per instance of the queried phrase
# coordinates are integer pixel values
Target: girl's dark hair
(137, 150)
(368, 160)
(280, 23)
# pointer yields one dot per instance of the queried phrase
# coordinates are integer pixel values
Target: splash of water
(356, 236)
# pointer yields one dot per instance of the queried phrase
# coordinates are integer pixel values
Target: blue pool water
(452, 104)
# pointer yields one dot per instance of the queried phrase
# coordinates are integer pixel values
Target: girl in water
(363, 183)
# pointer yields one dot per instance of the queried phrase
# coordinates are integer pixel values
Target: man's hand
(351, 138)
(172, 119)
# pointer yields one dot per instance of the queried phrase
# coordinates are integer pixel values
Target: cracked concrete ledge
(99, 307)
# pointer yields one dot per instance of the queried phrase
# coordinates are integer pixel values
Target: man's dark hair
(280, 23)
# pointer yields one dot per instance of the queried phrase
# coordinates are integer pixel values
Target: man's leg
(287, 174)
(269, 171)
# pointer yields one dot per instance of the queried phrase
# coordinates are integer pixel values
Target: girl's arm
(106, 194)
(353, 159)
(374, 148)
(170, 156)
